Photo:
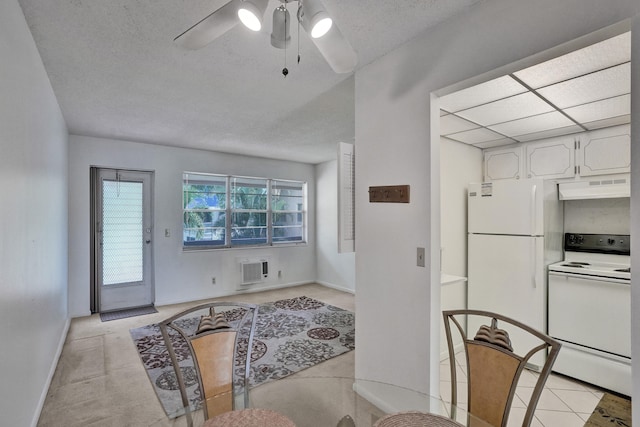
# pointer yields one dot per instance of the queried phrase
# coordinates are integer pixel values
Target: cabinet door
(605, 151)
(505, 163)
(551, 158)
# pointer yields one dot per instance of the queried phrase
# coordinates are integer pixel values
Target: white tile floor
(563, 402)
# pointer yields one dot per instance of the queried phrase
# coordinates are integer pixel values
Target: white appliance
(613, 186)
(590, 310)
(515, 231)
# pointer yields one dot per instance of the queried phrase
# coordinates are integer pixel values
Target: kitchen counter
(447, 279)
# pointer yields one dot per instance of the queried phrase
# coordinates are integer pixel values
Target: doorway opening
(472, 118)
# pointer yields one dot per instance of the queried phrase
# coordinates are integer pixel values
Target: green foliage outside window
(207, 217)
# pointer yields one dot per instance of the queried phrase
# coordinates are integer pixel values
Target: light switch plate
(420, 257)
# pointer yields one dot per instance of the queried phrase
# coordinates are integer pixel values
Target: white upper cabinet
(605, 151)
(552, 158)
(600, 152)
(504, 163)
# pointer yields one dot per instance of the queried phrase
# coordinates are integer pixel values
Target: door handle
(534, 263)
(534, 211)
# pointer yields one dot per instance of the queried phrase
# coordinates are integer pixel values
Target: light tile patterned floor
(563, 402)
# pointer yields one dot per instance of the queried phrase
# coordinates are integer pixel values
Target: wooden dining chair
(493, 367)
(218, 337)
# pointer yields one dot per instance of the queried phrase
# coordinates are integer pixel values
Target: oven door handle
(588, 277)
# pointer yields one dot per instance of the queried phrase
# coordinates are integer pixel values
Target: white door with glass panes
(123, 239)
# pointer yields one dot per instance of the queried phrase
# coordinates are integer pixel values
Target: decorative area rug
(611, 411)
(291, 335)
(130, 312)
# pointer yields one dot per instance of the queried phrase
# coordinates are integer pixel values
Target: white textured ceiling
(117, 73)
(583, 90)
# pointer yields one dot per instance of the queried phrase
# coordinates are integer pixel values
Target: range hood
(600, 188)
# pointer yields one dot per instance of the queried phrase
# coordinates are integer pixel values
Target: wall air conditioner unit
(254, 271)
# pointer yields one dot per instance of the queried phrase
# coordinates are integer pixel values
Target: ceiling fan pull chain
(300, 15)
(299, 6)
(284, 70)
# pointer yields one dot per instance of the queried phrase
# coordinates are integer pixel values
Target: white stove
(590, 310)
(598, 265)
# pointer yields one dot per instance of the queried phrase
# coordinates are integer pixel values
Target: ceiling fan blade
(337, 50)
(211, 27)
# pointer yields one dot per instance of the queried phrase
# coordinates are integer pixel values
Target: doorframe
(94, 293)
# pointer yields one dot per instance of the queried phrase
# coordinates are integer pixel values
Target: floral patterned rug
(612, 410)
(291, 335)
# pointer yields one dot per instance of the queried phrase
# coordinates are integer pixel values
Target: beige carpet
(611, 411)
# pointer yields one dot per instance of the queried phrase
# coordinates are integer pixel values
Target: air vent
(595, 189)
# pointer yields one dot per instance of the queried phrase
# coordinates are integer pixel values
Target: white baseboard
(336, 287)
(256, 288)
(52, 371)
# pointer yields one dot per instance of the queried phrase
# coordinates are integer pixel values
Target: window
(287, 211)
(248, 212)
(230, 211)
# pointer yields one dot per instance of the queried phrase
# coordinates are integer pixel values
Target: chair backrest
(219, 337)
(493, 368)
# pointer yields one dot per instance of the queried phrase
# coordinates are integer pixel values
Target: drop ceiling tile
(549, 133)
(504, 110)
(614, 121)
(483, 93)
(532, 124)
(453, 124)
(599, 110)
(475, 136)
(603, 84)
(496, 143)
(605, 54)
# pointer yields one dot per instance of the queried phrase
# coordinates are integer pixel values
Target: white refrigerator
(515, 230)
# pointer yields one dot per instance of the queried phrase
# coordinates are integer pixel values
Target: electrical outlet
(213, 280)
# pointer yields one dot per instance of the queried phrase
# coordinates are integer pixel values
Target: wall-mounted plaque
(389, 194)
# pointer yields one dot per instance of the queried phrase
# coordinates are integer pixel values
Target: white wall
(334, 269)
(33, 223)
(601, 216)
(460, 164)
(635, 213)
(397, 137)
(179, 276)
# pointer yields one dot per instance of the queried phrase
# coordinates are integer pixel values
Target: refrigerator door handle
(534, 211)
(534, 263)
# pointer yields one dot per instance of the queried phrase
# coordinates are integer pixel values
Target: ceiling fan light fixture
(314, 18)
(320, 25)
(280, 36)
(251, 14)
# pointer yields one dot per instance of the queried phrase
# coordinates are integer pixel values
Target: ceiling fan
(311, 15)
